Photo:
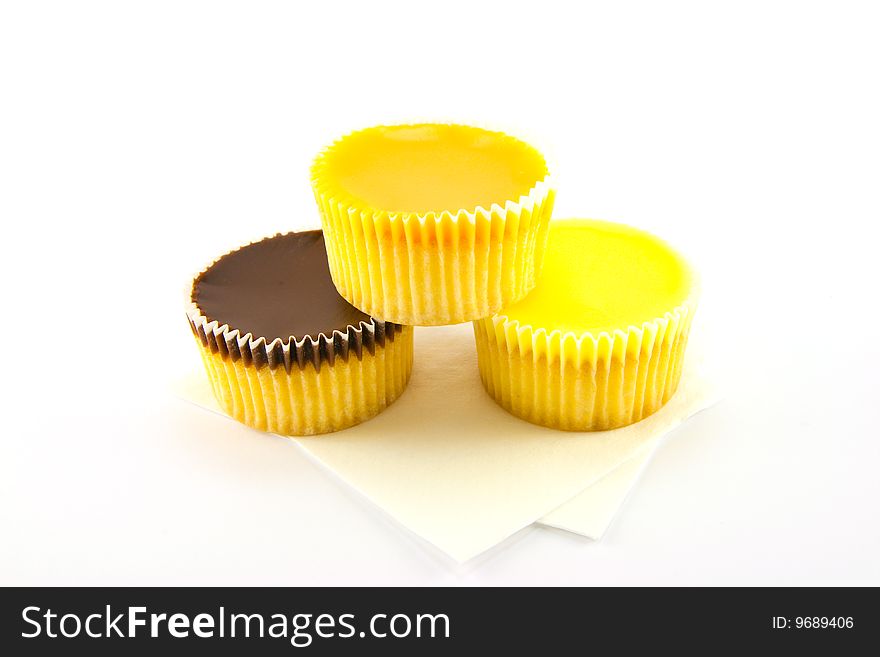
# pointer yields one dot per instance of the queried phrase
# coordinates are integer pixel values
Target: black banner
(114, 621)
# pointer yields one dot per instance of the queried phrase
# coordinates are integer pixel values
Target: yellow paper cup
(543, 362)
(433, 224)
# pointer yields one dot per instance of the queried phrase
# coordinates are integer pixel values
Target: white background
(139, 140)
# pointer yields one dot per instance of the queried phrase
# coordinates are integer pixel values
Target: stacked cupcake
(579, 325)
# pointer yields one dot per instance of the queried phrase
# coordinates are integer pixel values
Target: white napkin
(456, 469)
(591, 512)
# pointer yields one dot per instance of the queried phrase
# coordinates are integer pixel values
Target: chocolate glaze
(280, 287)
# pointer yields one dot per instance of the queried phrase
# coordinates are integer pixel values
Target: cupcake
(284, 352)
(599, 342)
(433, 224)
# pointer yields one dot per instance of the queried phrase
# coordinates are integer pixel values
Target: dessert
(599, 342)
(284, 352)
(432, 224)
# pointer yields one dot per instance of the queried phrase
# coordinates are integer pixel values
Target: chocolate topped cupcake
(284, 351)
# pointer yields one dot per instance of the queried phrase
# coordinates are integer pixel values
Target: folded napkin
(460, 472)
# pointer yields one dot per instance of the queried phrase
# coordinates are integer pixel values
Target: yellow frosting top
(600, 276)
(429, 168)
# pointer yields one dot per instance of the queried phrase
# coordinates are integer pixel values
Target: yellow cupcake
(432, 224)
(283, 351)
(599, 342)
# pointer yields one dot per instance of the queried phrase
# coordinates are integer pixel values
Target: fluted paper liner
(583, 382)
(432, 268)
(307, 385)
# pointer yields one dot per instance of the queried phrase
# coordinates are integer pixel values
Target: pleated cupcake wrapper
(292, 353)
(433, 268)
(309, 400)
(586, 382)
(303, 386)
